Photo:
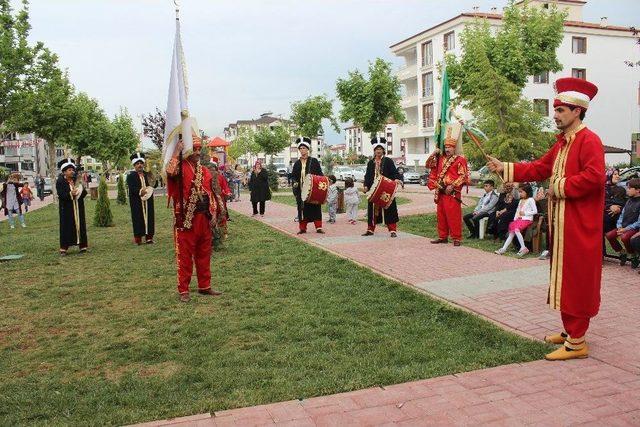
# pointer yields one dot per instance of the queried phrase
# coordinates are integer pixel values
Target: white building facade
(26, 154)
(598, 52)
(359, 142)
(289, 154)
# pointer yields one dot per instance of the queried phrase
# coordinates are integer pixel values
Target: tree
(307, 115)
(328, 160)
(122, 194)
(272, 174)
(244, 144)
(16, 56)
(493, 70)
(371, 102)
(273, 140)
(44, 106)
(89, 128)
(103, 216)
(153, 127)
(123, 140)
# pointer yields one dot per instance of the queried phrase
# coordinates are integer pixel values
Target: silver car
(358, 173)
(342, 172)
(411, 177)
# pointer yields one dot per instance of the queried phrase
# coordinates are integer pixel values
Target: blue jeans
(236, 190)
(333, 209)
(11, 220)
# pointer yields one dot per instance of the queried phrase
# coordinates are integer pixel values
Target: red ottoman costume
(448, 171)
(576, 170)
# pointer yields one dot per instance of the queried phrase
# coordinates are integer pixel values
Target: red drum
(315, 189)
(382, 192)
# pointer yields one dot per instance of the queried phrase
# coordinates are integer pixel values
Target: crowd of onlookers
(519, 211)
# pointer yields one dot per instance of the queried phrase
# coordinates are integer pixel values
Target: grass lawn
(100, 338)
(291, 201)
(426, 225)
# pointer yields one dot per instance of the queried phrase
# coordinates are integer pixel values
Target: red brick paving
(602, 390)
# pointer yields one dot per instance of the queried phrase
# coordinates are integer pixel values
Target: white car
(411, 177)
(358, 173)
(342, 172)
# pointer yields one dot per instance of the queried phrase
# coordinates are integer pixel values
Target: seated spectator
(522, 219)
(505, 210)
(614, 199)
(635, 244)
(485, 207)
(628, 225)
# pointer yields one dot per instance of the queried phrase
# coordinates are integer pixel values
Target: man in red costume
(194, 205)
(576, 173)
(448, 174)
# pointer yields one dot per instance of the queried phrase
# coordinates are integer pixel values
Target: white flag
(177, 102)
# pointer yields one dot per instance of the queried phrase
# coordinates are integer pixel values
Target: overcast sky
(244, 57)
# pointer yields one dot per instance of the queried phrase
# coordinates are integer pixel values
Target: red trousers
(194, 245)
(303, 224)
(612, 237)
(449, 214)
(576, 328)
(391, 227)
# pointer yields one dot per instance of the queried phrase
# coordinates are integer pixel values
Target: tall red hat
(574, 92)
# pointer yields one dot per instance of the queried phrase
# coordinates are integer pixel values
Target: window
(579, 45)
(541, 78)
(450, 41)
(427, 84)
(427, 115)
(541, 106)
(579, 73)
(59, 152)
(427, 53)
(1, 151)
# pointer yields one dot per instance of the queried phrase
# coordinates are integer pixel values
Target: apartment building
(359, 142)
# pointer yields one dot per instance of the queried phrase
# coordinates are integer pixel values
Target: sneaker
(394, 234)
(522, 252)
(13, 226)
(544, 255)
(635, 262)
(23, 225)
(500, 251)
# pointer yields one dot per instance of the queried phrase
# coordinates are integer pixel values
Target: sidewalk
(35, 204)
(601, 390)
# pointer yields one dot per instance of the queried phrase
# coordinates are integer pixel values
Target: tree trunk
(53, 168)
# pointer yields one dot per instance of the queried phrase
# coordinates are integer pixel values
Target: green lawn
(290, 200)
(100, 338)
(426, 225)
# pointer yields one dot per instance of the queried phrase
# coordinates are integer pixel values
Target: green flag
(444, 109)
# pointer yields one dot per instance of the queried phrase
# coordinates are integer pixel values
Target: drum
(315, 189)
(382, 192)
(146, 193)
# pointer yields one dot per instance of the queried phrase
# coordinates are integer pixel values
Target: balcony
(408, 130)
(409, 101)
(408, 72)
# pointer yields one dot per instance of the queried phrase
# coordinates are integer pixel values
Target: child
(27, 196)
(332, 199)
(12, 200)
(628, 225)
(521, 220)
(351, 200)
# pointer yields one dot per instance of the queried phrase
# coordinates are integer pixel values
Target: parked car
(411, 177)
(342, 172)
(479, 175)
(627, 174)
(423, 179)
(281, 168)
(47, 186)
(358, 173)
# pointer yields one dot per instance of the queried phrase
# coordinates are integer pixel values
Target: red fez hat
(574, 92)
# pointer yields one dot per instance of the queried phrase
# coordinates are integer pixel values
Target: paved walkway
(602, 390)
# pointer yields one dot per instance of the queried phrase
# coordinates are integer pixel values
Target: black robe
(137, 214)
(68, 233)
(308, 212)
(387, 169)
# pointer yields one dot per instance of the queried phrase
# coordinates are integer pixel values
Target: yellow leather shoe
(563, 354)
(555, 338)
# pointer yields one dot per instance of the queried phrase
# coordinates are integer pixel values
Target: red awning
(218, 142)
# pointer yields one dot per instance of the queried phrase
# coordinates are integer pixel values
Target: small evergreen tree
(122, 195)
(272, 172)
(103, 216)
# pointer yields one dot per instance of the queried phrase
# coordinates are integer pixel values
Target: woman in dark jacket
(505, 210)
(614, 200)
(259, 187)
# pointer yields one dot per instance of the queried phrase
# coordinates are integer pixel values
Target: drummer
(381, 165)
(142, 211)
(307, 212)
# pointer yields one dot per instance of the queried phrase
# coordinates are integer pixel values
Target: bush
(103, 216)
(122, 195)
(272, 171)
